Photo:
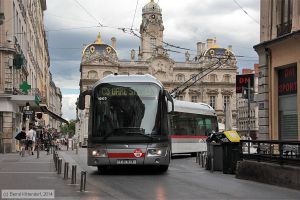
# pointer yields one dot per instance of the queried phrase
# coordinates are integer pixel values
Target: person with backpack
(22, 140)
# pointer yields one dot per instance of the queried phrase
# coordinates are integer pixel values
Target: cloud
(69, 106)
(70, 28)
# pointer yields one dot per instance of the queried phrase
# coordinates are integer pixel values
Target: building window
(286, 12)
(213, 78)
(180, 77)
(226, 100)
(194, 99)
(180, 98)
(92, 74)
(194, 77)
(106, 73)
(1, 122)
(226, 78)
(152, 44)
(212, 101)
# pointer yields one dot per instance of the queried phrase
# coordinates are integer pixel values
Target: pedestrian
(22, 139)
(29, 137)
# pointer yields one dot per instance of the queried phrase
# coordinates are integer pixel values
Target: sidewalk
(32, 173)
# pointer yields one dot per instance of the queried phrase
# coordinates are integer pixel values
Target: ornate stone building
(25, 80)
(216, 87)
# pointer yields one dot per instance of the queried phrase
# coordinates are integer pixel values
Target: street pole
(249, 92)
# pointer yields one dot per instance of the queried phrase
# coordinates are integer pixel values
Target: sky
(72, 24)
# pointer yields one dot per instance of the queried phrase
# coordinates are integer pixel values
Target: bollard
(59, 166)
(76, 148)
(66, 170)
(212, 165)
(202, 160)
(38, 152)
(72, 145)
(197, 157)
(73, 180)
(199, 161)
(82, 181)
(23, 152)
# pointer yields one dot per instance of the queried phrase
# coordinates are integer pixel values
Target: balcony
(32, 96)
(284, 28)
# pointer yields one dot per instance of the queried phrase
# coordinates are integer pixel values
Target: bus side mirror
(169, 98)
(81, 100)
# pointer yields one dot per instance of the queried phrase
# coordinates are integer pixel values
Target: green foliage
(68, 129)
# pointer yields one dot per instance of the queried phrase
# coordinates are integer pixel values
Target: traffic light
(245, 93)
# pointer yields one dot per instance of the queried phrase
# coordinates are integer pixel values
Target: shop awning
(52, 114)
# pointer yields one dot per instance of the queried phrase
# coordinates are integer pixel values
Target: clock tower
(151, 30)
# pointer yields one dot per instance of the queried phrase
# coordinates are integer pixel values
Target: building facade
(25, 80)
(279, 74)
(216, 85)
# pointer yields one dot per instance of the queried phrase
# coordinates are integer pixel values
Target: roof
(194, 108)
(278, 39)
(147, 78)
(151, 7)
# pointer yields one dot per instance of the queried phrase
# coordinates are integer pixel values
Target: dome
(97, 49)
(217, 51)
(151, 7)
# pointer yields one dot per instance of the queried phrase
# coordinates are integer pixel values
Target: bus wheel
(102, 169)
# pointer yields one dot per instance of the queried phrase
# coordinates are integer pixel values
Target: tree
(69, 129)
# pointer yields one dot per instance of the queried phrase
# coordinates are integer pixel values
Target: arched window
(92, 74)
(226, 78)
(213, 78)
(180, 77)
(106, 73)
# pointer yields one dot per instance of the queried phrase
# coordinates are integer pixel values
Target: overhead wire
(92, 16)
(245, 11)
(179, 92)
(137, 3)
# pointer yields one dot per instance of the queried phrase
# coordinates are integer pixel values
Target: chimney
(209, 43)
(229, 47)
(200, 48)
(215, 41)
(113, 42)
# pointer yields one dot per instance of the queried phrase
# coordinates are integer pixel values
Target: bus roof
(147, 78)
(194, 108)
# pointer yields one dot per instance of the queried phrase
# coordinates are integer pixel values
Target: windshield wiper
(132, 131)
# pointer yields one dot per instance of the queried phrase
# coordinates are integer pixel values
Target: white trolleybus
(191, 124)
(128, 122)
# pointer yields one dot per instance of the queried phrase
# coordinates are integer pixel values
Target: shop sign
(287, 81)
(242, 81)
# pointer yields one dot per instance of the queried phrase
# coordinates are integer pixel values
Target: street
(184, 180)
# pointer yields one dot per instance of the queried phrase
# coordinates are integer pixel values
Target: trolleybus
(191, 124)
(128, 122)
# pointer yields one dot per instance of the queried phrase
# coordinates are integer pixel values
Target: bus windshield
(125, 109)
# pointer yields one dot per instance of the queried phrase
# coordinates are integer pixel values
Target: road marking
(27, 162)
(27, 172)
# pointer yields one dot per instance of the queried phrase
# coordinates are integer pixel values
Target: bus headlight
(156, 152)
(99, 153)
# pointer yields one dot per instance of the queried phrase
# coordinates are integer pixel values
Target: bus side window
(200, 126)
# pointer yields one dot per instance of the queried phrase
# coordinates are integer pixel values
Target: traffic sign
(28, 112)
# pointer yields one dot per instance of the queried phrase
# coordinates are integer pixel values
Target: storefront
(287, 101)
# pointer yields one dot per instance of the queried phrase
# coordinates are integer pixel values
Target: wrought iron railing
(278, 151)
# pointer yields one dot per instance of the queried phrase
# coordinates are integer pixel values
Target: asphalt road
(184, 180)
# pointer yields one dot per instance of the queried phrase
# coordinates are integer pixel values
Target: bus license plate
(126, 162)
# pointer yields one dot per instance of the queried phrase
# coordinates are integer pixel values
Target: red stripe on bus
(189, 136)
(123, 155)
